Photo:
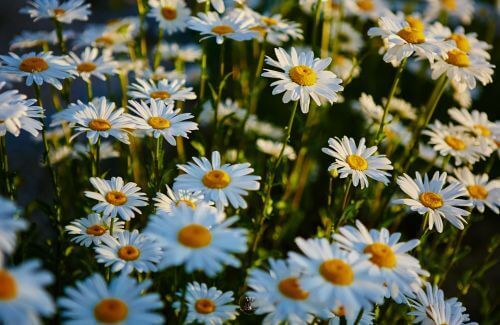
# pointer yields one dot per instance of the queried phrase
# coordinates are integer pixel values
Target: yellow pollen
(8, 286)
(357, 162)
(461, 42)
(337, 272)
(129, 253)
(110, 311)
(33, 64)
(169, 13)
(99, 124)
(458, 58)
(260, 29)
(303, 75)
(365, 5)
(190, 204)
(485, 132)
(412, 35)
(290, 288)
(104, 41)
(415, 23)
(223, 30)
(454, 143)
(59, 11)
(269, 21)
(382, 255)
(194, 236)
(96, 230)
(204, 306)
(449, 4)
(86, 67)
(477, 192)
(159, 94)
(116, 198)
(431, 200)
(159, 123)
(216, 179)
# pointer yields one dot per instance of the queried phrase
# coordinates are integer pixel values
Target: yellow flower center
(96, 230)
(159, 123)
(449, 4)
(337, 272)
(8, 286)
(412, 35)
(485, 132)
(382, 255)
(365, 5)
(303, 75)
(269, 21)
(461, 42)
(59, 11)
(86, 67)
(104, 41)
(169, 13)
(116, 198)
(339, 312)
(160, 94)
(99, 124)
(260, 29)
(189, 203)
(477, 192)
(204, 306)
(357, 162)
(216, 179)
(415, 23)
(454, 143)
(129, 253)
(458, 58)
(110, 311)
(290, 288)
(223, 30)
(195, 236)
(431, 200)
(33, 64)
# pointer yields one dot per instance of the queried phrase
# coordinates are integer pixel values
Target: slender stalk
(222, 60)
(142, 28)
(358, 318)
(204, 75)
(157, 59)
(158, 163)
(90, 93)
(4, 163)
(317, 17)
(123, 86)
(95, 152)
(60, 37)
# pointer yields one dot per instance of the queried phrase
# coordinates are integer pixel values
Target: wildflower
(273, 148)
(62, 11)
(217, 4)
(90, 230)
(185, 53)
(165, 90)
(9, 226)
(171, 15)
(165, 203)
(460, 9)
(476, 123)
(467, 42)
(274, 28)
(366, 9)
(91, 64)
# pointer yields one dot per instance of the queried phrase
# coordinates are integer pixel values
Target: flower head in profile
(9, 227)
(165, 90)
(273, 149)
(273, 28)
(223, 184)
(302, 77)
(235, 27)
(184, 53)
(60, 10)
(90, 230)
(91, 64)
(478, 124)
(165, 202)
(430, 197)
(122, 301)
(29, 39)
(366, 9)
(38, 68)
(357, 161)
(462, 10)
(171, 15)
(467, 42)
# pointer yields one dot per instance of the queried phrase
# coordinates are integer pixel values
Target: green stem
(5, 168)
(142, 28)
(204, 75)
(89, 90)
(95, 153)
(317, 17)
(157, 59)
(222, 60)
(158, 162)
(123, 85)
(60, 37)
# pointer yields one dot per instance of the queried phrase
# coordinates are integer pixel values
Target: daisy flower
(350, 40)
(460, 9)
(62, 11)
(198, 239)
(369, 109)
(428, 197)
(217, 4)
(165, 90)
(123, 301)
(452, 140)
(357, 161)
(158, 119)
(129, 251)
(208, 306)
(30, 39)
(223, 184)
(274, 148)
(278, 294)
(235, 27)
(116, 198)
(335, 277)
(102, 37)
(345, 68)
(185, 53)
(366, 9)
(23, 295)
(165, 202)
(37, 68)
(401, 108)
(90, 230)
(171, 15)
(273, 28)
(389, 257)
(9, 226)
(481, 191)
(467, 42)
(228, 111)
(91, 64)
(475, 122)
(303, 77)
(337, 315)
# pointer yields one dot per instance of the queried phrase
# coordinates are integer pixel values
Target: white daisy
(461, 9)
(165, 203)
(185, 53)
(129, 251)
(208, 306)
(369, 109)
(357, 161)
(9, 227)
(165, 90)
(23, 295)
(197, 239)
(350, 40)
(171, 15)
(62, 11)
(303, 77)
(402, 108)
(217, 4)
(223, 184)
(366, 9)
(235, 27)
(228, 111)
(30, 39)
(337, 315)
(90, 230)
(38, 67)
(274, 148)
(116, 198)
(389, 258)
(428, 197)
(102, 37)
(481, 191)
(273, 28)
(124, 301)
(91, 64)
(278, 294)
(477, 123)
(158, 119)
(335, 277)
(345, 68)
